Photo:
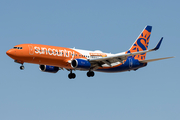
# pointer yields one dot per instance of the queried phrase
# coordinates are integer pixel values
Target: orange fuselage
(44, 55)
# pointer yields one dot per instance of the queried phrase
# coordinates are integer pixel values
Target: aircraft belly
(119, 69)
(130, 64)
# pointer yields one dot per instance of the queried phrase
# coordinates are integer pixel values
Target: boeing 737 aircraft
(52, 59)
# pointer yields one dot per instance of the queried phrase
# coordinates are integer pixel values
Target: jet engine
(80, 63)
(50, 69)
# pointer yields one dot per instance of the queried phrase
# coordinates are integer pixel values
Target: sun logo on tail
(141, 44)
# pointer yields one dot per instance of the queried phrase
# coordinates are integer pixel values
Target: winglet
(158, 45)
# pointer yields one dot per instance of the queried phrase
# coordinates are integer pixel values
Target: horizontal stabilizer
(151, 60)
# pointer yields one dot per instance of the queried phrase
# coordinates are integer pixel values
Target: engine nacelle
(80, 63)
(47, 68)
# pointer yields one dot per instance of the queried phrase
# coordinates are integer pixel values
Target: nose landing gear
(22, 67)
(20, 62)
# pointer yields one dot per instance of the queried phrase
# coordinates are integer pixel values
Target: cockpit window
(17, 48)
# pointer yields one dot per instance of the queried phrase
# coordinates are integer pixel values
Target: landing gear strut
(90, 74)
(22, 67)
(20, 62)
(71, 75)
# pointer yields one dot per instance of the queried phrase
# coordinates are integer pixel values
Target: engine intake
(80, 63)
(47, 68)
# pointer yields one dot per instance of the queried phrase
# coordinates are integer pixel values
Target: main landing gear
(71, 75)
(90, 74)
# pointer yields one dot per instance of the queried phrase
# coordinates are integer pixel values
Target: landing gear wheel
(90, 74)
(22, 67)
(69, 76)
(72, 75)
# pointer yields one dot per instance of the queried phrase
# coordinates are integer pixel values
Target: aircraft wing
(120, 57)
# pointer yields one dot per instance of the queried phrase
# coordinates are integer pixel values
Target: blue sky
(111, 26)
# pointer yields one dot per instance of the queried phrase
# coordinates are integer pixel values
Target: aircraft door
(31, 50)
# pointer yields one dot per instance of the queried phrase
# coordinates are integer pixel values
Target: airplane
(52, 58)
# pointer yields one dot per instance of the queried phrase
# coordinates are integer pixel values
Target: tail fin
(141, 43)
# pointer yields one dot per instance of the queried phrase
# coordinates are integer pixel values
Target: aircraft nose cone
(9, 52)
